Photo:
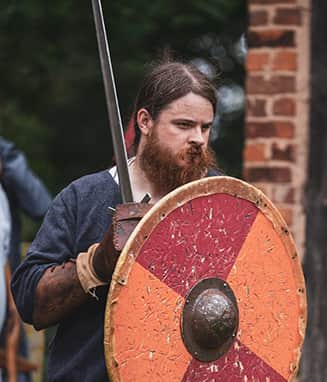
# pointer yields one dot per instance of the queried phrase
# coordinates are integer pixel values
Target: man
(64, 279)
(26, 193)
(8, 358)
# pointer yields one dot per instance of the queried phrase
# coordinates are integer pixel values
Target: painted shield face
(209, 287)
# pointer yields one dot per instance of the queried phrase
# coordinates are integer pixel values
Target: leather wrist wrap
(85, 271)
(95, 267)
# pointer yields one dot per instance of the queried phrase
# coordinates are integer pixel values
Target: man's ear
(144, 121)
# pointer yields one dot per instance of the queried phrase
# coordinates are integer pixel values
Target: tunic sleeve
(53, 245)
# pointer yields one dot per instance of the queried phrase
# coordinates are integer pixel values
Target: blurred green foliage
(51, 96)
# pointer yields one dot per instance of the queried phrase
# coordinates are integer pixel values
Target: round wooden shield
(217, 228)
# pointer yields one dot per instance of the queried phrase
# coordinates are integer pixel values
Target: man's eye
(206, 127)
(183, 125)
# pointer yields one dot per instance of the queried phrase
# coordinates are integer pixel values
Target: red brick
(258, 18)
(273, 85)
(254, 152)
(287, 214)
(271, 38)
(284, 106)
(288, 16)
(256, 107)
(260, 130)
(284, 152)
(282, 194)
(272, 1)
(270, 129)
(290, 196)
(257, 61)
(263, 187)
(268, 174)
(285, 61)
(284, 129)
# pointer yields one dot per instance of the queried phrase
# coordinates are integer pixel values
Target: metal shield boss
(209, 287)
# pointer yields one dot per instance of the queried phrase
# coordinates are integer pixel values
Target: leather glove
(96, 266)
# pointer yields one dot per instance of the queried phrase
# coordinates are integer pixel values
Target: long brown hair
(166, 83)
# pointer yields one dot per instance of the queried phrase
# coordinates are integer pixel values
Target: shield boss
(209, 287)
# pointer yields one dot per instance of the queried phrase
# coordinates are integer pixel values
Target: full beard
(164, 169)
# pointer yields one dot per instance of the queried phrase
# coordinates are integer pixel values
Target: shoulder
(5, 146)
(98, 186)
(214, 172)
(100, 181)
(9, 153)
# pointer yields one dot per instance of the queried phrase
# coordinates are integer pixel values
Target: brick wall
(277, 117)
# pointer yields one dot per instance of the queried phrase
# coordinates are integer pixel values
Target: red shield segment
(198, 240)
(238, 365)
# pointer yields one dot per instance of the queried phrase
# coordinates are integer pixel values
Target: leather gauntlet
(96, 266)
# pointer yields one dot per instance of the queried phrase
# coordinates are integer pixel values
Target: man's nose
(197, 136)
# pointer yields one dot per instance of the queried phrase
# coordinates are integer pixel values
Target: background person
(26, 193)
(8, 353)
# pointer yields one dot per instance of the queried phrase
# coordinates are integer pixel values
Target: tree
(52, 92)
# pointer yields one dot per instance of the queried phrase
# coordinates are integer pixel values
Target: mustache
(164, 169)
(192, 152)
(194, 149)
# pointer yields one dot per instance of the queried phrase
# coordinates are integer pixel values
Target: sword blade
(112, 104)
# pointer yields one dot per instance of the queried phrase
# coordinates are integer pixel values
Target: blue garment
(77, 218)
(25, 192)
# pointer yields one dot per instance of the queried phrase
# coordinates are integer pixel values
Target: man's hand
(105, 257)
(125, 220)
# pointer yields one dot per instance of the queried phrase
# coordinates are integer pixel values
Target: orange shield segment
(148, 328)
(263, 280)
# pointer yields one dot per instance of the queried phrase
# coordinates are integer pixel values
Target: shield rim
(199, 188)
